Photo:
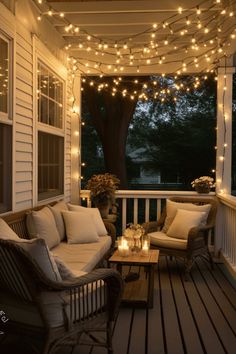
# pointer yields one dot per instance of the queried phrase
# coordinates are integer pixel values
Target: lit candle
(145, 248)
(123, 248)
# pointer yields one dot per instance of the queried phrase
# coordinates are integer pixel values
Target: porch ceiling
(121, 37)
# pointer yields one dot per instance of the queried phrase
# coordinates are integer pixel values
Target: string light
(119, 50)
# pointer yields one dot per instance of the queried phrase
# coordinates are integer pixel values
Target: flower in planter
(203, 184)
(102, 188)
(134, 230)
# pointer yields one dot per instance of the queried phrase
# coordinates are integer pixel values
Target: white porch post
(224, 130)
(224, 142)
(75, 141)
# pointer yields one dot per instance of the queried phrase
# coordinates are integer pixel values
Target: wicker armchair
(55, 313)
(197, 240)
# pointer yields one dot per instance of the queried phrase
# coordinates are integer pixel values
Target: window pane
(5, 168)
(50, 96)
(50, 165)
(4, 88)
(233, 173)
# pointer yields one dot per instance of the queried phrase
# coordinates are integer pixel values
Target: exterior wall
(24, 98)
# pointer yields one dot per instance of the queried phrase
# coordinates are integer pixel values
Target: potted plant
(102, 188)
(203, 184)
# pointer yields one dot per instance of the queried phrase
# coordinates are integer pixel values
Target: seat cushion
(79, 227)
(6, 233)
(57, 213)
(95, 213)
(184, 221)
(42, 224)
(160, 239)
(83, 257)
(172, 207)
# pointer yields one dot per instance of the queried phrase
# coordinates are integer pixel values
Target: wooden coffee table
(138, 292)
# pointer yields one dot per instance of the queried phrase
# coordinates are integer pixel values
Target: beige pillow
(97, 219)
(79, 227)
(39, 251)
(172, 207)
(56, 210)
(6, 233)
(41, 224)
(184, 221)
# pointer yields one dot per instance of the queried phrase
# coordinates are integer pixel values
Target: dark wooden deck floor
(194, 317)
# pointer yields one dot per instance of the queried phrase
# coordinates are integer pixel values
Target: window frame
(45, 58)
(7, 117)
(51, 71)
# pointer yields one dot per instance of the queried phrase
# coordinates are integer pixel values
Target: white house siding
(23, 120)
(24, 127)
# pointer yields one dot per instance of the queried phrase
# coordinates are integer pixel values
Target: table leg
(150, 287)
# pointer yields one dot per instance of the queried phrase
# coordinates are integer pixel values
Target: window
(50, 165)
(233, 170)
(50, 97)
(5, 129)
(50, 144)
(5, 167)
(4, 77)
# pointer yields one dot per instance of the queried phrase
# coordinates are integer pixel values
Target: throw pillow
(172, 207)
(39, 251)
(99, 224)
(185, 220)
(6, 233)
(79, 227)
(41, 224)
(56, 210)
(64, 271)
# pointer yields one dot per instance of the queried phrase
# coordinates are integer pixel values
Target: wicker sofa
(46, 311)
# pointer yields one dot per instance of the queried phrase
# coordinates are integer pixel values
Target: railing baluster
(158, 208)
(124, 207)
(135, 212)
(147, 209)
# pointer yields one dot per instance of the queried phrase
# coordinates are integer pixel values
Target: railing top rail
(148, 194)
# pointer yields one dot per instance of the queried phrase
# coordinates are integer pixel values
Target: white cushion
(172, 207)
(39, 251)
(83, 256)
(6, 233)
(42, 224)
(56, 210)
(160, 239)
(184, 221)
(97, 219)
(80, 227)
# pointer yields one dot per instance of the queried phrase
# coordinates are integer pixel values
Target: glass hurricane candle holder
(123, 247)
(145, 245)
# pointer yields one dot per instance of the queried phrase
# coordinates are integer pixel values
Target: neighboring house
(145, 176)
(39, 133)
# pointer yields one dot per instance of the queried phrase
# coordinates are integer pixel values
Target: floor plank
(192, 344)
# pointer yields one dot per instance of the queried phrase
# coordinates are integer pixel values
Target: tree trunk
(111, 117)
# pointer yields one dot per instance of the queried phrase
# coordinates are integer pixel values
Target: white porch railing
(130, 201)
(225, 242)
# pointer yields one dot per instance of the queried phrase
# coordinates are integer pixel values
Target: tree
(111, 117)
(180, 138)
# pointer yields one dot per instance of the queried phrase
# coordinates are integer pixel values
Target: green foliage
(179, 139)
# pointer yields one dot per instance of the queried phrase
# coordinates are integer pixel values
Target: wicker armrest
(151, 226)
(111, 230)
(196, 234)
